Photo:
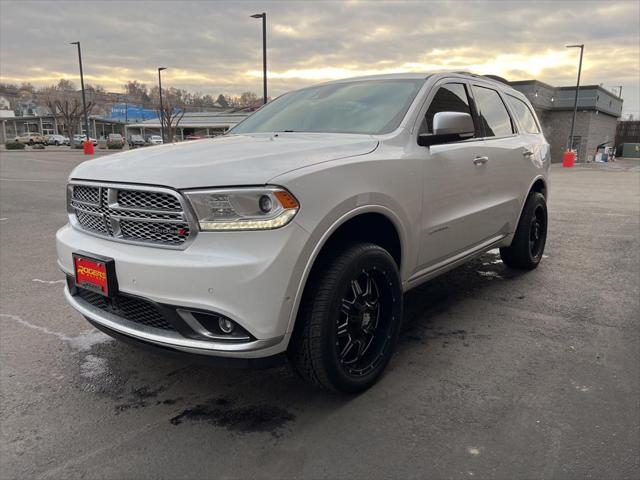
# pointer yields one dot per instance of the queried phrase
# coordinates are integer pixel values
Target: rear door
(505, 151)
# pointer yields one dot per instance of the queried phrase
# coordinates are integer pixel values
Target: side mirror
(448, 127)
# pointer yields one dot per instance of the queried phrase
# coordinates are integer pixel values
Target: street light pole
(161, 107)
(575, 101)
(84, 100)
(263, 15)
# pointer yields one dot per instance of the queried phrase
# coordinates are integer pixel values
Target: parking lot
(498, 374)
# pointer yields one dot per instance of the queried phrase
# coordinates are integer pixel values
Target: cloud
(216, 47)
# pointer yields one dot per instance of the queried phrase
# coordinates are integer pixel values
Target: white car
(155, 140)
(78, 141)
(297, 233)
(57, 140)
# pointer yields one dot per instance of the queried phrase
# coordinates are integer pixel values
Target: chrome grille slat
(131, 214)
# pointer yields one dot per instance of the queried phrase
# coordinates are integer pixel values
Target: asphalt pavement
(498, 374)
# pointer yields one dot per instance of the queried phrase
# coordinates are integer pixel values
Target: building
(596, 118)
(12, 127)
(628, 139)
(5, 104)
(202, 124)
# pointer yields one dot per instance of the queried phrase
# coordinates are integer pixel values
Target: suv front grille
(130, 308)
(130, 214)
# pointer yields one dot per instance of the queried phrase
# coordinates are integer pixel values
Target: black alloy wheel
(363, 323)
(349, 319)
(527, 246)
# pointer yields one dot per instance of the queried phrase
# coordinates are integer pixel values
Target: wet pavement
(498, 374)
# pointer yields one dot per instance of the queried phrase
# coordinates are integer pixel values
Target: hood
(224, 161)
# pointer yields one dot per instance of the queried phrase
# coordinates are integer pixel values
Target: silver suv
(297, 233)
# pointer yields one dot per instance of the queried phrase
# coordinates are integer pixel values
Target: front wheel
(527, 247)
(349, 321)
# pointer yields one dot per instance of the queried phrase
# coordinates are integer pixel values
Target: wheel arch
(538, 184)
(391, 237)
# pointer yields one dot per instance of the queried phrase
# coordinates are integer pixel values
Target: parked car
(78, 141)
(155, 140)
(192, 137)
(298, 233)
(115, 139)
(57, 140)
(31, 138)
(136, 141)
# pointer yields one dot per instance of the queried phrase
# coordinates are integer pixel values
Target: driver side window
(451, 97)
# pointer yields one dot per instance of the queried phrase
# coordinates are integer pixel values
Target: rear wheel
(530, 238)
(349, 320)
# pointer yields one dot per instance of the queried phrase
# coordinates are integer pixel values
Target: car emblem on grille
(168, 231)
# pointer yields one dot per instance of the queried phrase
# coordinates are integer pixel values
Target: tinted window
(494, 117)
(370, 107)
(523, 114)
(449, 98)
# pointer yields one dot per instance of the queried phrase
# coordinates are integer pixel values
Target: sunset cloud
(215, 47)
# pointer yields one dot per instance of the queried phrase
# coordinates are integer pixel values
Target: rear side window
(494, 116)
(523, 114)
(451, 97)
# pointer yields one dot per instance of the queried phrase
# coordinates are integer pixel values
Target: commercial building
(596, 119)
(202, 124)
(12, 127)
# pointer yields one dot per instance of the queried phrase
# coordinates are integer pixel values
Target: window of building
(449, 98)
(494, 116)
(523, 113)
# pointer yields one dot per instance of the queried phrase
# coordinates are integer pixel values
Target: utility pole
(161, 107)
(263, 15)
(575, 101)
(84, 100)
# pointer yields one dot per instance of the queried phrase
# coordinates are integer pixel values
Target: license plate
(95, 273)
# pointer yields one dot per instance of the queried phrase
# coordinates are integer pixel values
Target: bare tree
(173, 108)
(65, 104)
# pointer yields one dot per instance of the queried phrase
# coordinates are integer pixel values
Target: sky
(215, 47)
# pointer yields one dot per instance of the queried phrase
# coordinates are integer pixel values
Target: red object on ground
(568, 159)
(88, 147)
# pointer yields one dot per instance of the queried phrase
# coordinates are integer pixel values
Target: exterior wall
(602, 128)
(628, 131)
(556, 127)
(591, 129)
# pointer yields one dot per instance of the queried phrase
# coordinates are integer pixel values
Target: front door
(455, 178)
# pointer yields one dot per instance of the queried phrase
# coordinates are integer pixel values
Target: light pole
(263, 16)
(161, 107)
(575, 101)
(84, 100)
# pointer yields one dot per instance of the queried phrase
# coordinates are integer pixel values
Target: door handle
(527, 153)
(480, 160)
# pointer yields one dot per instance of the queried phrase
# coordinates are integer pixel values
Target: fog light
(225, 325)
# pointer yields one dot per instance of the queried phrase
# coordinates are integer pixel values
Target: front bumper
(248, 277)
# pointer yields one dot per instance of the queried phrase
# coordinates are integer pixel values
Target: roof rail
(497, 78)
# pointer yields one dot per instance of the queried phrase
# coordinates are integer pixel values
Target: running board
(450, 263)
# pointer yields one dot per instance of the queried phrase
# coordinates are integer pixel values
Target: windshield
(368, 107)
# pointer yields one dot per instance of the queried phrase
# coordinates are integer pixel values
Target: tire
(57, 143)
(346, 334)
(527, 246)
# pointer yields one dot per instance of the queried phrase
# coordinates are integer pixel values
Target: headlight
(243, 208)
